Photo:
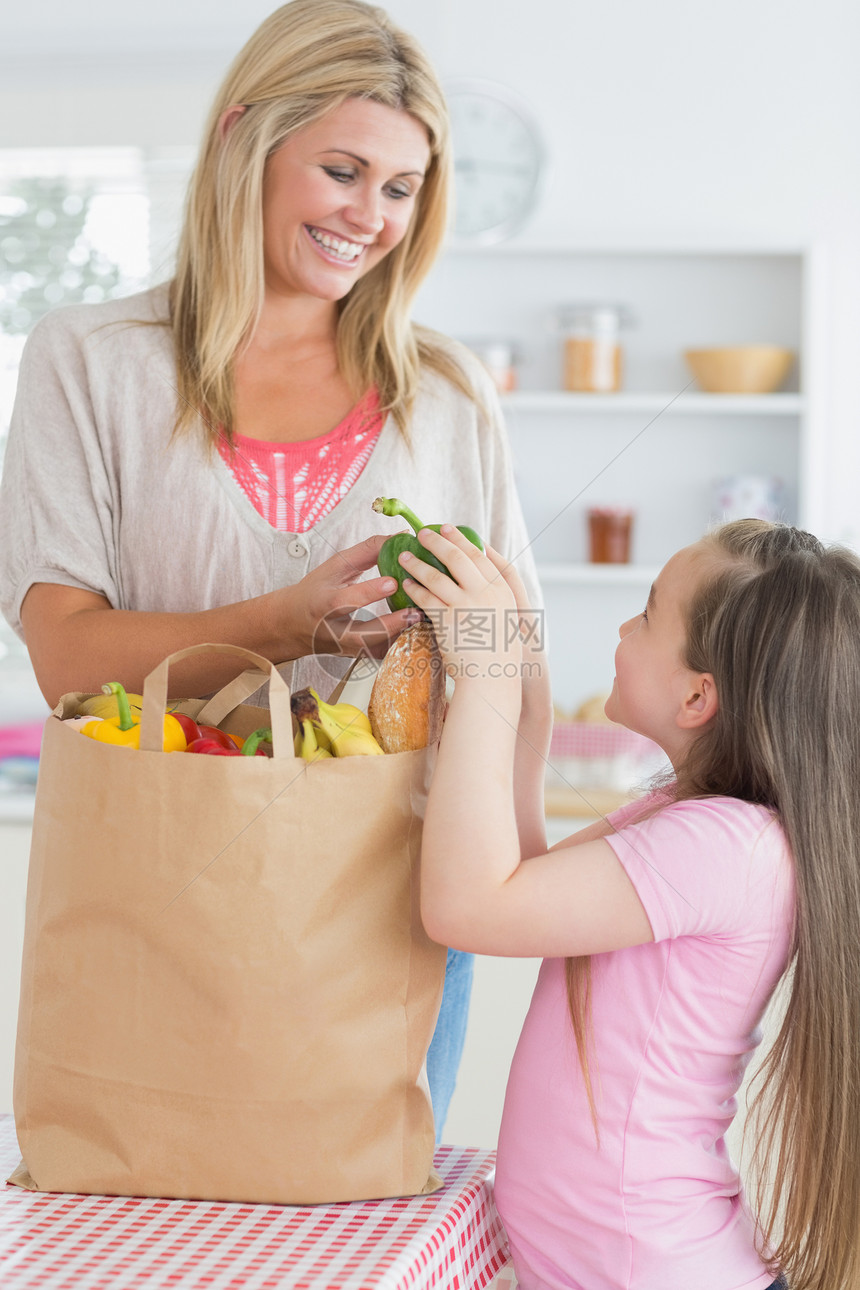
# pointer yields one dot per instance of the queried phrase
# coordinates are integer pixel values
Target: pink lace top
(293, 485)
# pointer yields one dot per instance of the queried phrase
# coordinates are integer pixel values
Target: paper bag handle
(155, 697)
(248, 683)
(234, 692)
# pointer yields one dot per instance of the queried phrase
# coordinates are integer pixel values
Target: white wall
(674, 121)
(668, 121)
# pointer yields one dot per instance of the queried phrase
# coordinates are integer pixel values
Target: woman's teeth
(336, 246)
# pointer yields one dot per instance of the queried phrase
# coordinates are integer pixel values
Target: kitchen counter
(452, 1240)
(563, 804)
(583, 804)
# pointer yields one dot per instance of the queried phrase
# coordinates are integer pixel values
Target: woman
(197, 463)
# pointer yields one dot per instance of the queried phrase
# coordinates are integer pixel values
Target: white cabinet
(659, 445)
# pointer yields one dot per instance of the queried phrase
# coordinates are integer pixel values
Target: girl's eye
(397, 191)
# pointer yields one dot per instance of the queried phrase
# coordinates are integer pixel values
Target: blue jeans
(446, 1047)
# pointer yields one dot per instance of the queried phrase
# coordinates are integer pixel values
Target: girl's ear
(228, 119)
(700, 703)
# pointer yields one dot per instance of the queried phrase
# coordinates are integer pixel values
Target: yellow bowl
(740, 369)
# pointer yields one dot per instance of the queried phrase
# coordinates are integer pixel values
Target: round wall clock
(499, 160)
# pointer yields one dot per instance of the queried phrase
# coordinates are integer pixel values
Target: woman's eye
(342, 176)
(398, 192)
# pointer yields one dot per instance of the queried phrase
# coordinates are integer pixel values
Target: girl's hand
(475, 611)
(318, 612)
(532, 636)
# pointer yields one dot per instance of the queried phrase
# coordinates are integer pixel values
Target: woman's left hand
(474, 611)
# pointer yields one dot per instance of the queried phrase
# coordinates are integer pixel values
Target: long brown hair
(302, 62)
(778, 626)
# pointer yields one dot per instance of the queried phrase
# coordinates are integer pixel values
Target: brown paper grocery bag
(227, 993)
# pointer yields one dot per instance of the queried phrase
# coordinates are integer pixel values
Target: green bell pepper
(388, 560)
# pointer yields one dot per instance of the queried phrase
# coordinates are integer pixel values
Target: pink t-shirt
(658, 1205)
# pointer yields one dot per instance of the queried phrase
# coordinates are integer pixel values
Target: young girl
(666, 927)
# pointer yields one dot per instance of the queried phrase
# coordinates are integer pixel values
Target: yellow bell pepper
(124, 729)
(105, 705)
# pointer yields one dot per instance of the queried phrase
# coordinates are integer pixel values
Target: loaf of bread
(407, 702)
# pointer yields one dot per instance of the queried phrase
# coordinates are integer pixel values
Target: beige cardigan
(96, 494)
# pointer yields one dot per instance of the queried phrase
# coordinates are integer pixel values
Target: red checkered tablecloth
(452, 1240)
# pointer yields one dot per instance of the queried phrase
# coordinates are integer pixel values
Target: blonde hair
(303, 61)
(777, 623)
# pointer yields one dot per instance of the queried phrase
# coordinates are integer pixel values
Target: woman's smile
(336, 248)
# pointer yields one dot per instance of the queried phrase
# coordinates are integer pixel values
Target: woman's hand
(77, 640)
(475, 611)
(318, 612)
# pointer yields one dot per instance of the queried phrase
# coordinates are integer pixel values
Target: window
(75, 225)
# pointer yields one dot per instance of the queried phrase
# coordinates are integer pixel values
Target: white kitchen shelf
(661, 445)
(677, 403)
(597, 575)
(563, 248)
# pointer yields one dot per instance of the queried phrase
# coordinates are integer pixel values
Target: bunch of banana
(342, 726)
(312, 744)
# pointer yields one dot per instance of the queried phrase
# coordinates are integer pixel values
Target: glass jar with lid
(592, 354)
(500, 357)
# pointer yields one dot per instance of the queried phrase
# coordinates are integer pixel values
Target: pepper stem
(125, 721)
(252, 743)
(393, 506)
